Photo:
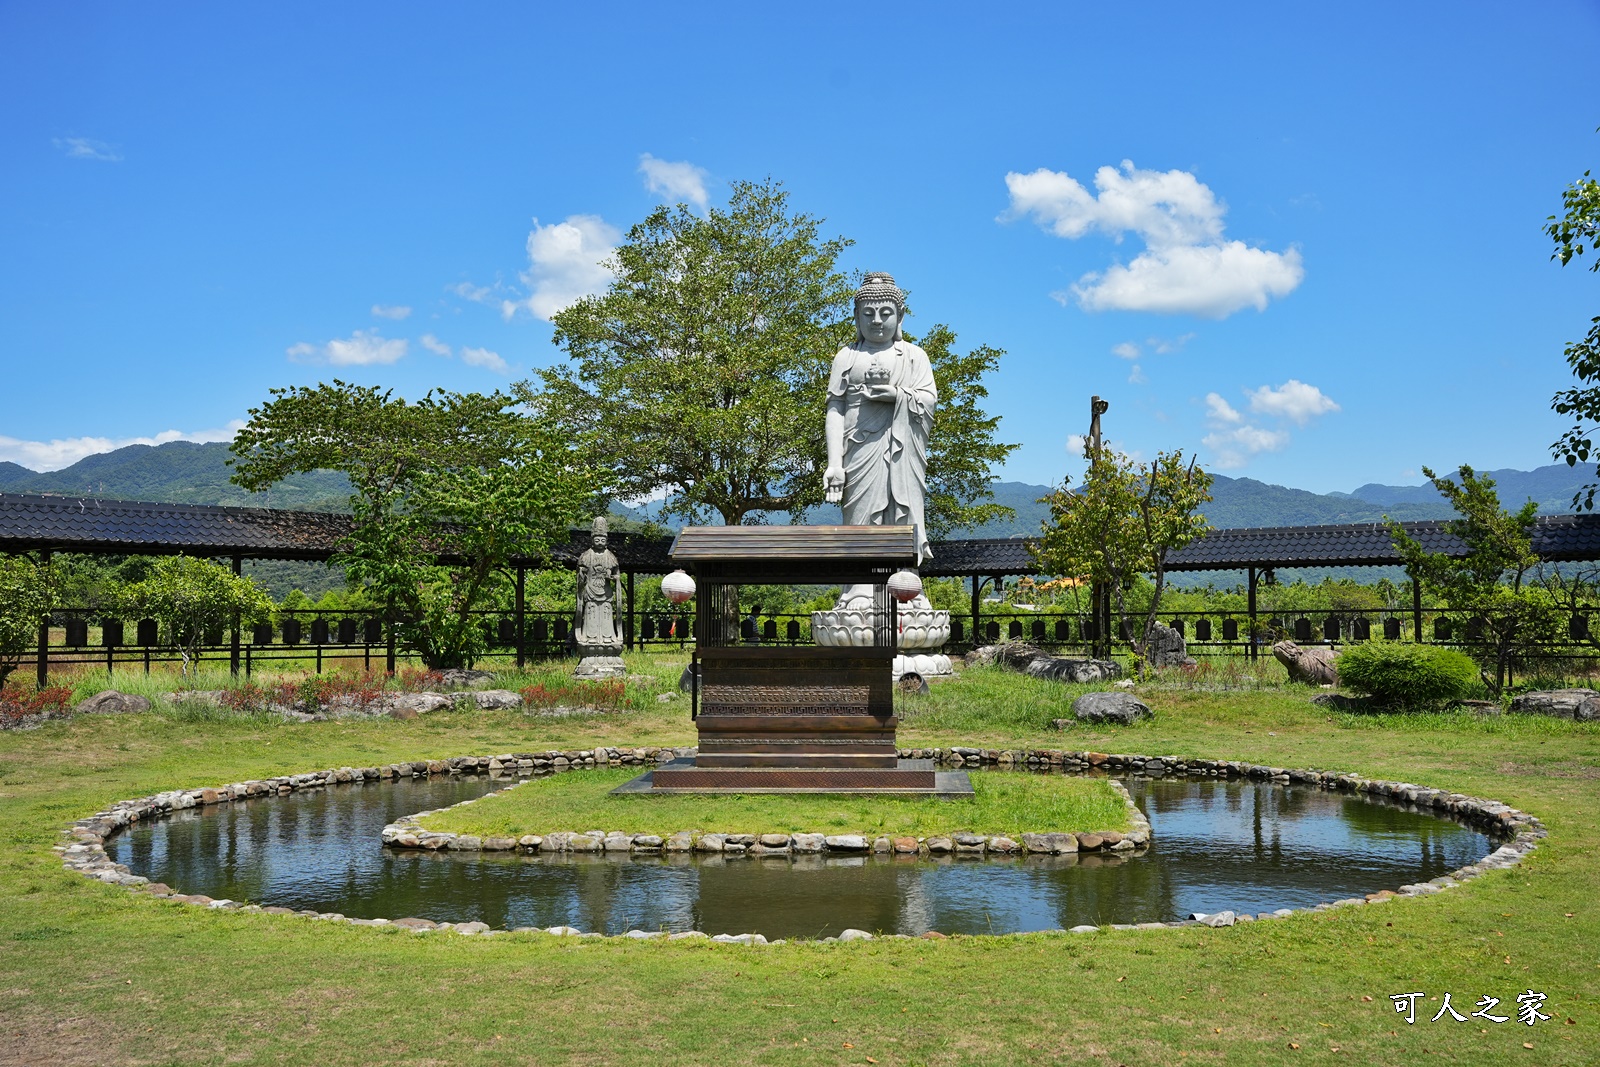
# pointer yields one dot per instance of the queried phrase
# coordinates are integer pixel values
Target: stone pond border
(86, 853)
(408, 833)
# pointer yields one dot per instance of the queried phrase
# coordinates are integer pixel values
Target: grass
(95, 975)
(1001, 804)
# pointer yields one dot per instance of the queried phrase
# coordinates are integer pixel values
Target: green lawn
(90, 974)
(1001, 804)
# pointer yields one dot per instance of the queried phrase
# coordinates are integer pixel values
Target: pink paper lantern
(905, 586)
(677, 587)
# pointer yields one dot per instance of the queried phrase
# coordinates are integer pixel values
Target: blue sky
(1304, 241)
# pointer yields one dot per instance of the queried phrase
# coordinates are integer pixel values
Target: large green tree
(1489, 584)
(190, 597)
(1574, 233)
(445, 492)
(700, 374)
(27, 593)
(1124, 522)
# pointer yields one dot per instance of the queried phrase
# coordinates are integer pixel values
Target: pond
(1245, 846)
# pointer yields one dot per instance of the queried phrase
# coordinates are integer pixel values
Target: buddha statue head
(880, 308)
(597, 534)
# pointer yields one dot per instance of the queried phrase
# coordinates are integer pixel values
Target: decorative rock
(417, 704)
(904, 845)
(1165, 647)
(1311, 666)
(462, 678)
(934, 935)
(1582, 705)
(1221, 918)
(683, 841)
(1050, 844)
(1123, 708)
(846, 843)
(711, 843)
(940, 845)
(810, 843)
(1085, 929)
(111, 702)
(740, 939)
(854, 935)
(774, 841)
(1090, 842)
(647, 841)
(489, 699)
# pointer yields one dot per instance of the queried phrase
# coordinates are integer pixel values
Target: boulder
(111, 702)
(1582, 705)
(488, 699)
(1057, 669)
(1167, 648)
(1312, 666)
(463, 678)
(688, 679)
(417, 703)
(1036, 662)
(1117, 707)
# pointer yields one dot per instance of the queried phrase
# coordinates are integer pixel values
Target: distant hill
(1551, 487)
(179, 472)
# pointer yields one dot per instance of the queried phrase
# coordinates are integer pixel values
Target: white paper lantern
(905, 586)
(678, 587)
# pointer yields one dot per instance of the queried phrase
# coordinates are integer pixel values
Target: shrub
(1406, 676)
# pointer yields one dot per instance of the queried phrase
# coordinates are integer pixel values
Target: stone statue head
(597, 534)
(880, 309)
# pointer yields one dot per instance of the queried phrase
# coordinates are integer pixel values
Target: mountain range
(190, 473)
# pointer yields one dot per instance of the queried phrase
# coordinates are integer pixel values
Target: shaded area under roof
(85, 524)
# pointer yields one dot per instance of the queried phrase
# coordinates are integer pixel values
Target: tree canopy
(1577, 232)
(446, 491)
(700, 374)
(191, 597)
(1124, 522)
(1488, 584)
(27, 593)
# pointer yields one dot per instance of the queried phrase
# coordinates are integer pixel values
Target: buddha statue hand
(833, 485)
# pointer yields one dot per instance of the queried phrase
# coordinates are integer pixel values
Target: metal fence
(318, 639)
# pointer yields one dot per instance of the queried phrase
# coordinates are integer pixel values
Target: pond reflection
(1244, 846)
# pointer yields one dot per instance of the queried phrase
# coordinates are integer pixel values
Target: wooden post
(1100, 594)
(627, 633)
(1416, 608)
(388, 633)
(522, 612)
(1251, 652)
(42, 672)
(977, 604)
(233, 651)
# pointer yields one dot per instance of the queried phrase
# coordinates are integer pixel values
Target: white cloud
(674, 181)
(1137, 377)
(1076, 443)
(567, 261)
(482, 357)
(1235, 441)
(84, 148)
(1294, 400)
(1186, 265)
(396, 312)
(1165, 347)
(363, 348)
(1125, 350)
(1235, 447)
(478, 294)
(64, 452)
(1219, 410)
(434, 345)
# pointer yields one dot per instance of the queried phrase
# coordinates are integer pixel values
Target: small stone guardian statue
(597, 622)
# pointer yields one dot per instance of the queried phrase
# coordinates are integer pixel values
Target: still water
(1243, 846)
